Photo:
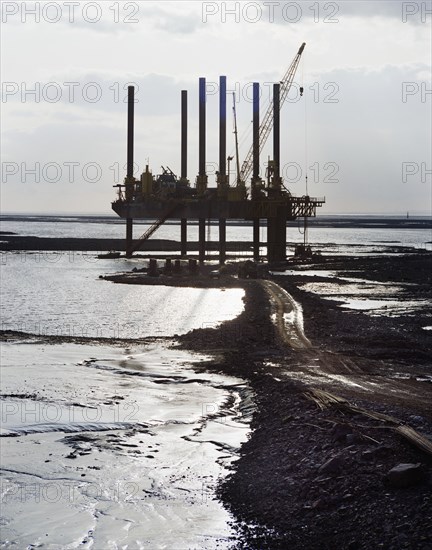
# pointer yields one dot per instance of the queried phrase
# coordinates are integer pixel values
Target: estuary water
(61, 294)
(330, 239)
(111, 444)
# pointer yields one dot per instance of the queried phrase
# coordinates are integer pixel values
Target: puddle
(375, 297)
(361, 283)
(384, 307)
(335, 289)
(305, 272)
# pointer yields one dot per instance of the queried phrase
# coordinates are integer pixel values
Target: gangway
(154, 227)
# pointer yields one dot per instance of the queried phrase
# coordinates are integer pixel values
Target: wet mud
(318, 478)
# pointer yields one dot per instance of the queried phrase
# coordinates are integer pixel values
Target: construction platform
(168, 197)
(212, 208)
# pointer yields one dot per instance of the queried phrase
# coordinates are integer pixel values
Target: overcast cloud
(362, 131)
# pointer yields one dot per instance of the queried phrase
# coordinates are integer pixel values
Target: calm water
(73, 227)
(61, 294)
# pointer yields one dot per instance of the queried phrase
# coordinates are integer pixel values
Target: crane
(267, 122)
(238, 179)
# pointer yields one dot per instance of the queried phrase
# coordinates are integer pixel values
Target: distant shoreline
(354, 221)
(10, 240)
(10, 243)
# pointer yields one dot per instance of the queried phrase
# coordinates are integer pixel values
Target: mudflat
(316, 474)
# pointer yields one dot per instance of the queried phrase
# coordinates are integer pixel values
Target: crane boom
(267, 122)
(236, 141)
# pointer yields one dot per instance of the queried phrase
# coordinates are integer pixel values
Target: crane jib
(267, 122)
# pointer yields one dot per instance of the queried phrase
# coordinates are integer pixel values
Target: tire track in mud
(287, 309)
(324, 367)
(290, 327)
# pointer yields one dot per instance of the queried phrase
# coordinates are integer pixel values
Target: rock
(405, 475)
(375, 452)
(332, 465)
(340, 431)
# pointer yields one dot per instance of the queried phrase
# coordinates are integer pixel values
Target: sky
(361, 133)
